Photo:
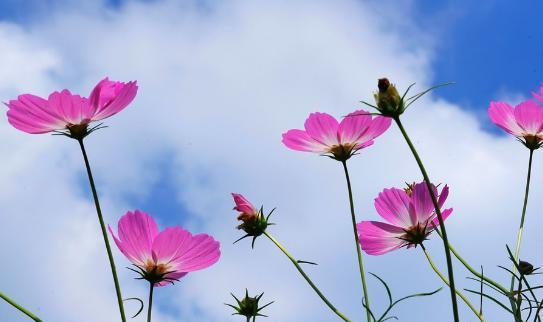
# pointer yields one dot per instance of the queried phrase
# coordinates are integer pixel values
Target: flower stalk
(150, 305)
(304, 275)
(19, 307)
(444, 279)
(524, 206)
(357, 242)
(450, 270)
(104, 231)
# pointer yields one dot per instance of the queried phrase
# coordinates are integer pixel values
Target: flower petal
(422, 206)
(110, 97)
(201, 252)
(502, 114)
(323, 128)
(136, 230)
(377, 127)
(243, 205)
(173, 277)
(444, 214)
(168, 243)
(539, 96)
(300, 141)
(377, 238)
(393, 206)
(353, 126)
(71, 108)
(32, 114)
(443, 196)
(529, 116)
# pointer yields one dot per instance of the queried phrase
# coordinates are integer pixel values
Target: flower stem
(519, 235)
(20, 308)
(104, 232)
(444, 279)
(150, 306)
(450, 271)
(357, 243)
(472, 270)
(313, 286)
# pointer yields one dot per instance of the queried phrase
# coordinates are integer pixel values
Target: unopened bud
(388, 100)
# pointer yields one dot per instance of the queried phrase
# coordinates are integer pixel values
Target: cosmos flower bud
(248, 306)
(526, 268)
(254, 223)
(389, 102)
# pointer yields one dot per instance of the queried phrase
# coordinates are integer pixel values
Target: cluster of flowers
(159, 257)
(410, 214)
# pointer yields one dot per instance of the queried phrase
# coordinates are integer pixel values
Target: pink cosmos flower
(254, 223)
(66, 111)
(246, 209)
(324, 134)
(539, 96)
(166, 256)
(410, 215)
(525, 121)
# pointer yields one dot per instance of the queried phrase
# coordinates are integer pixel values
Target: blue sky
(486, 47)
(227, 98)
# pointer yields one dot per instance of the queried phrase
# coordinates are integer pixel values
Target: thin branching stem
(444, 279)
(304, 275)
(357, 243)
(104, 231)
(19, 307)
(450, 270)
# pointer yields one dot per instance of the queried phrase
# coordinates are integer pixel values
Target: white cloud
(219, 83)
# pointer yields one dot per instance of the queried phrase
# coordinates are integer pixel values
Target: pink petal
(377, 127)
(353, 126)
(110, 97)
(168, 243)
(73, 109)
(529, 116)
(539, 96)
(323, 128)
(300, 141)
(31, 114)
(393, 206)
(443, 196)
(444, 214)
(201, 252)
(136, 230)
(502, 114)
(422, 206)
(173, 276)
(243, 205)
(377, 238)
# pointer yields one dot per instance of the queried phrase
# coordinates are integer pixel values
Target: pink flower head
(539, 96)
(166, 256)
(66, 111)
(253, 223)
(246, 209)
(411, 217)
(525, 121)
(324, 134)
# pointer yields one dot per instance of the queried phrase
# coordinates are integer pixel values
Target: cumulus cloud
(219, 83)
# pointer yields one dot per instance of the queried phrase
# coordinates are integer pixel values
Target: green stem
(450, 271)
(472, 270)
(150, 306)
(104, 231)
(313, 286)
(519, 235)
(444, 279)
(20, 308)
(357, 242)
